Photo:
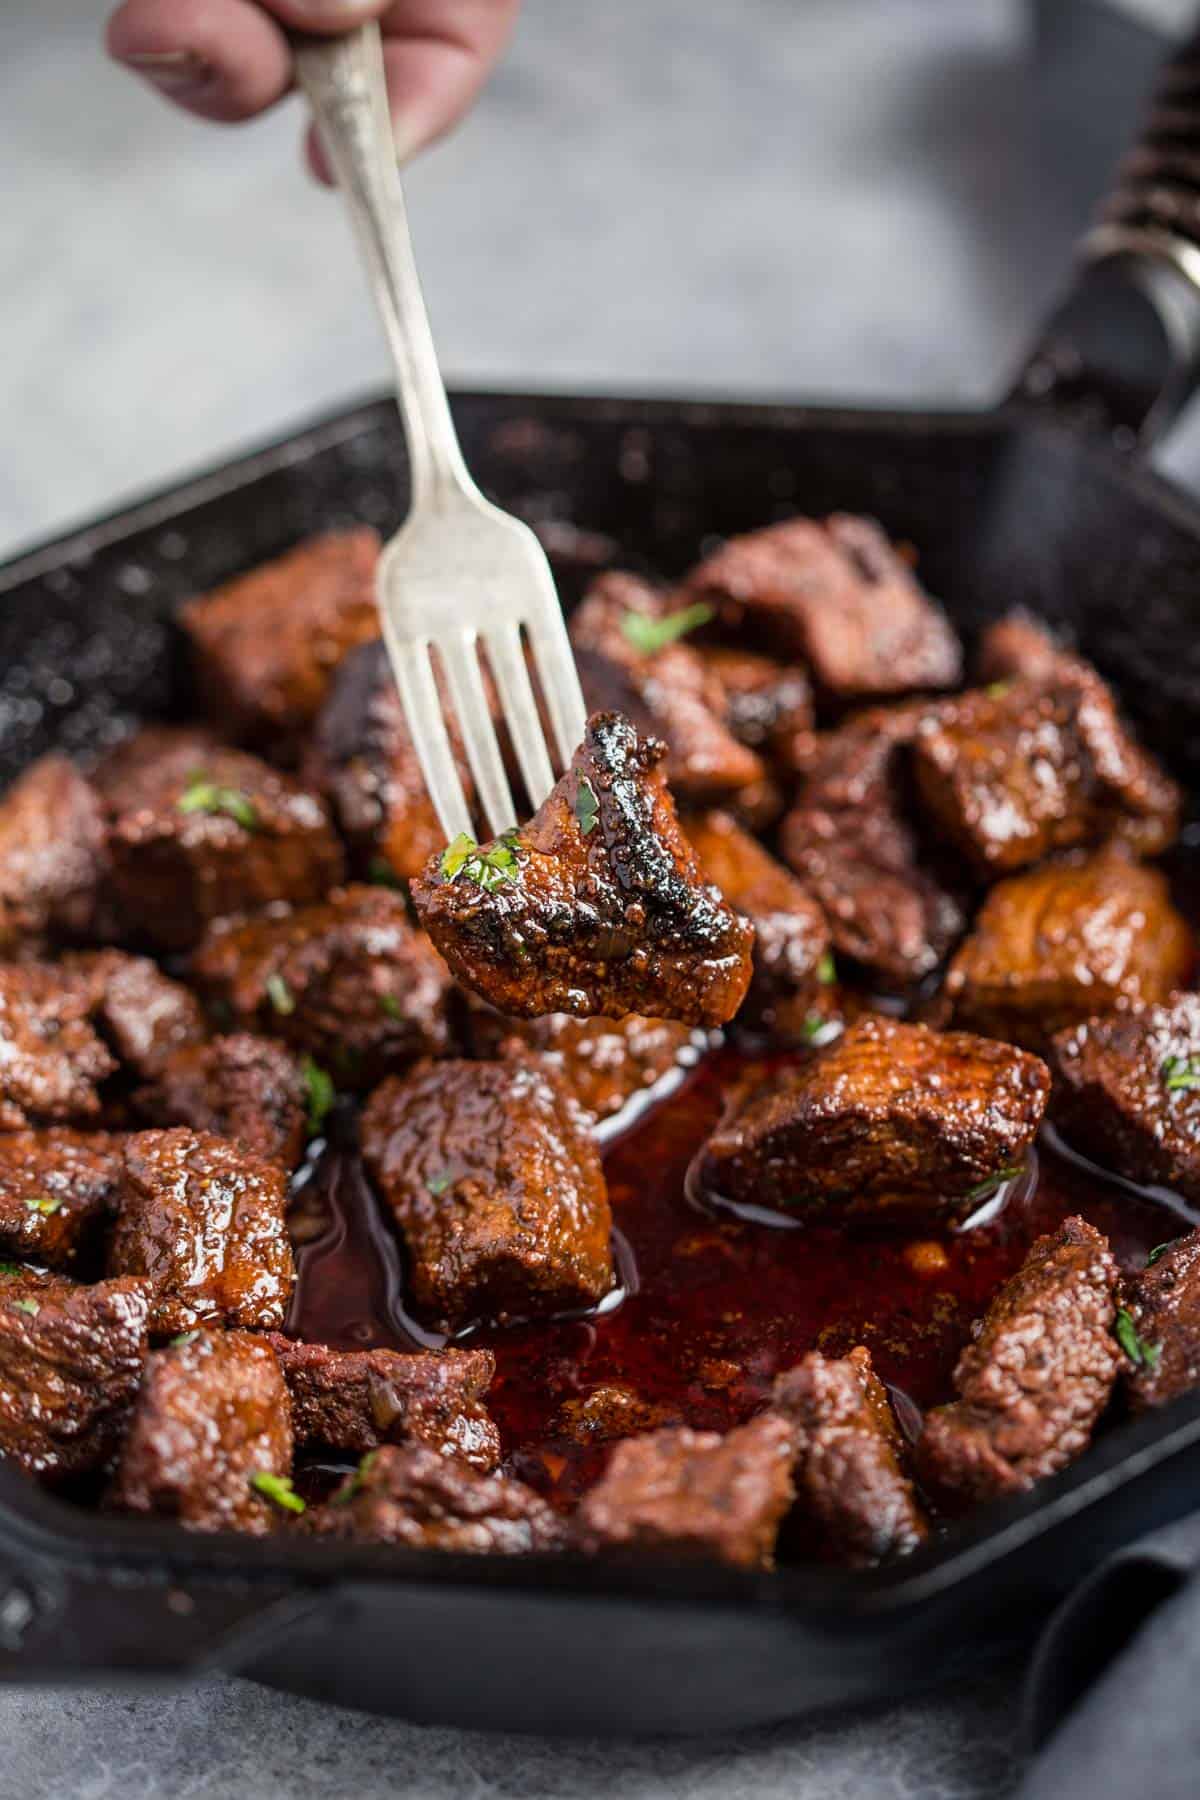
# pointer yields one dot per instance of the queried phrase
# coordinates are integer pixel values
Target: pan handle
(1121, 350)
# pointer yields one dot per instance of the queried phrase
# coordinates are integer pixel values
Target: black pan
(1043, 501)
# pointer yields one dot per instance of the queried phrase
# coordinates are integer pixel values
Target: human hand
(230, 59)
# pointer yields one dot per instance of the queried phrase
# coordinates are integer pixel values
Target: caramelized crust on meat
(242, 1087)
(51, 1060)
(1035, 1379)
(51, 853)
(1164, 1305)
(768, 705)
(420, 1500)
(596, 906)
(141, 1013)
(791, 937)
(604, 1063)
(56, 1187)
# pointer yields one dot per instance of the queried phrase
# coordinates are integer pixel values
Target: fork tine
(507, 663)
(559, 678)
(461, 663)
(423, 711)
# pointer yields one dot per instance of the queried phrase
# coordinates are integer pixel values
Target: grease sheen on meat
(56, 1189)
(604, 1063)
(1164, 1305)
(247, 1088)
(420, 1500)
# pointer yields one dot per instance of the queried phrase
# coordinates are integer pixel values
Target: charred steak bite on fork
(597, 905)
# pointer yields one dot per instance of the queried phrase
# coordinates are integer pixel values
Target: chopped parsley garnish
(280, 995)
(348, 1490)
(26, 1306)
(320, 1090)
(996, 690)
(381, 872)
(185, 1337)
(1141, 1354)
(1181, 1072)
(204, 796)
(648, 635)
(587, 807)
(488, 869)
(437, 1184)
(991, 1184)
(44, 1203)
(1158, 1250)
(278, 1489)
(818, 1030)
(7, 1268)
(827, 970)
(389, 1004)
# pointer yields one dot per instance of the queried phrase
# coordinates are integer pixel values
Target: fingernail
(174, 70)
(325, 12)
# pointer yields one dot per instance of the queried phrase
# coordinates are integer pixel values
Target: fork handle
(343, 78)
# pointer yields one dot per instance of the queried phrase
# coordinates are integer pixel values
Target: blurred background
(854, 198)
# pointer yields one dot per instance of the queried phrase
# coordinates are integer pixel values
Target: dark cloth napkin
(1113, 1698)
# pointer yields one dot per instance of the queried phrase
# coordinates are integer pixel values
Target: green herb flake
(351, 1487)
(587, 807)
(389, 1004)
(1158, 1250)
(44, 1203)
(320, 1090)
(827, 970)
(280, 995)
(991, 1184)
(185, 1337)
(996, 690)
(437, 1184)
(488, 868)
(1181, 1072)
(381, 872)
(7, 1268)
(204, 796)
(26, 1306)
(278, 1490)
(648, 636)
(817, 1030)
(1140, 1354)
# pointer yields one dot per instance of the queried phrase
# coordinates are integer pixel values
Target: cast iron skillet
(1042, 501)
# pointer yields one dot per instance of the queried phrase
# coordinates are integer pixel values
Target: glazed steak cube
(891, 1117)
(51, 853)
(1079, 936)
(694, 1494)
(1164, 1308)
(266, 643)
(70, 1359)
(204, 1222)
(55, 1189)
(141, 1013)
(851, 1483)
(1015, 771)
(1034, 1380)
(768, 705)
(420, 1500)
(791, 937)
(197, 831)
(493, 1179)
(1021, 647)
(596, 906)
(359, 1399)
(212, 1419)
(348, 980)
(604, 1063)
(51, 1060)
(851, 841)
(246, 1088)
(836, 596)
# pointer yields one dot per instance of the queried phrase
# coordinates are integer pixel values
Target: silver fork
(459, 574)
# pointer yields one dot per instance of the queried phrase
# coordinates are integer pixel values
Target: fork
(460, 574)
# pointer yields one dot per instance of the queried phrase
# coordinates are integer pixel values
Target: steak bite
(358, 1399)
(210, 1438)
(890, 1119)
(1082, 935)
(492, 1177)
(197, 831)
(348, 980)
(51, 1060)
(596, 906)
(851, 841)
(1163, 1346)
(852, 1487)
(423, 1501)
(141, 1013)
(1020, 647)
(205, 1222)
(604, 1063)
(768, 705)
(56, 1187)
(1035, 1378)
(693, 1494)
(51, 853)
(1018, 770)
(791, 937)
(247, 1088)
(836, 596)
(70, 1360)
(265, 644)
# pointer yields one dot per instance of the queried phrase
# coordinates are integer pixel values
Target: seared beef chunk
(850, 841)
(1081, 935)
(210, 1437)
(364, 761)
(492, 1177)
(142, 1014)
(70, 1359)
(850, 1476)
(768, 705)
(1163, 1346)
(423, 1501)
(348, 980)
(694, 1494)
(604, 1063)
(838, 597)
(1127, 1090)
(1035, 1379)
(1021, 647)
(51, 853)
(50, 1058)
(596, 906)
(198, 831)
(791, 937)
(55, 1188)
(205, 1222)
(890, 1118)
(242, 1087)
(628, 664)
(266, 643)
(1023, 768)
(359, 1399)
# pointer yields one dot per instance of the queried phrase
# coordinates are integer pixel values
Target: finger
(222, 59)
(324, 15)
